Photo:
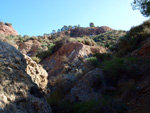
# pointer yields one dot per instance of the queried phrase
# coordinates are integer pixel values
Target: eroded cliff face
(18, 94)
(89, 31)
(29, 47)
(144, 50)
(81, 31)
(73, 52)
(7, 30)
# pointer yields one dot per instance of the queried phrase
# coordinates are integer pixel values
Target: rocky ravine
(68, 65)
(18, 94)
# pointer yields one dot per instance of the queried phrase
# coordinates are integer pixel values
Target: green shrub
(21, 39)
(132, 40)
(63, 107)
(54, 98)
(117, 68)
(103, 56)
(43, 54)
(44, 45)
(93, 60)
(8, 24)
(108, 39)
(85, 107)
(36, 59)
(59, 106)
(89, 106)
(99, 105)
(10, 39)
(85, 40)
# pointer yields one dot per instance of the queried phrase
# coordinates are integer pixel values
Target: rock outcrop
(7, 30)
(81, 31)
(68, 65)
(29, 47)
(37, 73)
(18, 94)
(144, 50)
(89, 31)
(73, 53)
(88, 87)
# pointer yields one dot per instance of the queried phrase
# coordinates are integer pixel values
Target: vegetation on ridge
(108, 39)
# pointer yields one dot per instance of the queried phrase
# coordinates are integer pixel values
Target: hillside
(109, 39)
(80, 31)
(7, 29)
(82, 70)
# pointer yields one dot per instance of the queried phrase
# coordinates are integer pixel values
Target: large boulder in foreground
(18, 94)
(7, 29)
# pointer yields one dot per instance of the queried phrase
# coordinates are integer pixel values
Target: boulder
(37, 73)
(18, 94)
(29, 47)
(90, 86)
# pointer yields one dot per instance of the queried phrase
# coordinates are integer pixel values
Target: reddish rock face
(144, 51)
(7, 30)
(82, 31)
(29, 47)
(89, 31)
(69, 53)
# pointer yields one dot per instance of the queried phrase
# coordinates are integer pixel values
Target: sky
(36, 17)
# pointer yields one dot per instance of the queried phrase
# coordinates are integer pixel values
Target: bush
(118, 68)
(43, 54)
(59, 106)
(91, 106)
(8, 24)
(36, 59)
(92, 24)
(54, 98)
(132, 40)
(10, 39)
(21, 39)
(87, 106)
(85, 40)
(94, 61)
(103, 56)
(108, 39)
